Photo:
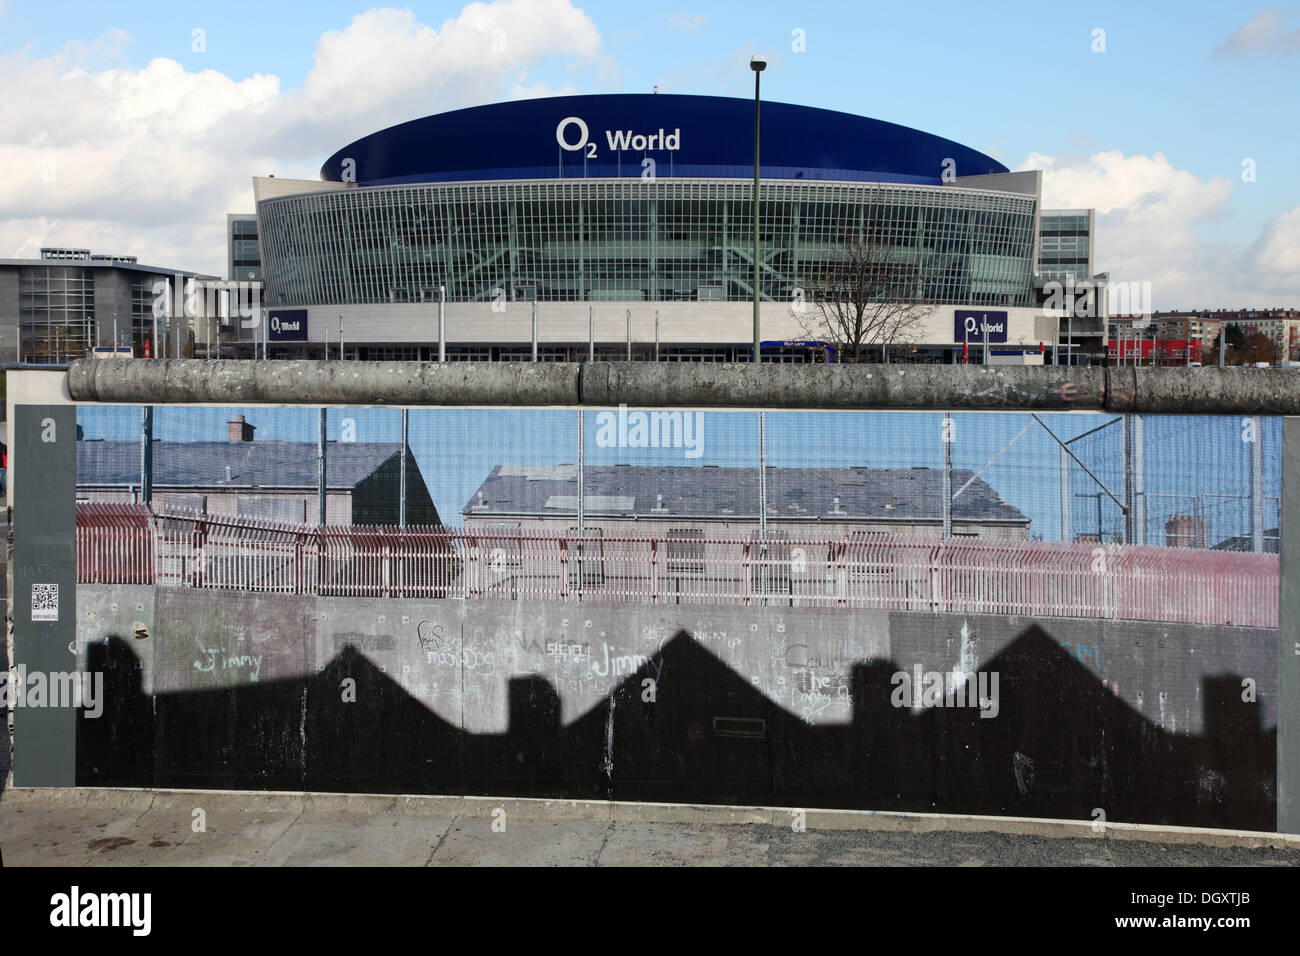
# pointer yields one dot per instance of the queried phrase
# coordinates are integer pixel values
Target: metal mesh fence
(1146, 517)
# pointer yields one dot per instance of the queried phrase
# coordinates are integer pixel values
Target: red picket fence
(126, 544)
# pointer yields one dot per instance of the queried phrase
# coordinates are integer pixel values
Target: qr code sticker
(45, 602)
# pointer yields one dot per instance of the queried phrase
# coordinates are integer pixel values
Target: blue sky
(151, 141)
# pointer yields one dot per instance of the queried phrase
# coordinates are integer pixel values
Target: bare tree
(1258, 347)
(867, 296)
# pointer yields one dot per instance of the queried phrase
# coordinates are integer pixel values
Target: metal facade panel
(708, 136)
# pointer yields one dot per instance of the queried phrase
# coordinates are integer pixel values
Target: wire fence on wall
(883, 509)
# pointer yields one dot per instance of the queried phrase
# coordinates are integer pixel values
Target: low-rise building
(723, 503)
(1187, 325)
(1280, 326)
(57, 308)
(683, 532)
(275, 480)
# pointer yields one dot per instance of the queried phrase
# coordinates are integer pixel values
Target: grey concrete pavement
(84, 827)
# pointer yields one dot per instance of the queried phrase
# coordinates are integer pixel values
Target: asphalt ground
(134, 828)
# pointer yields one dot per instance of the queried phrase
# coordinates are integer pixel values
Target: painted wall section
(1149, 723)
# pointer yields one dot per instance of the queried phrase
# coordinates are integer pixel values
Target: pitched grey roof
(1242, 542)
(202, 464)
(879, 494)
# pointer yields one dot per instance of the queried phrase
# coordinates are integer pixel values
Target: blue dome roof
(574, 137)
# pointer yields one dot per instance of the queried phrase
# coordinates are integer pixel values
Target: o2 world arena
(629, 218)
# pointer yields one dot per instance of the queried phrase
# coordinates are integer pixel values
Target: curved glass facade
(631, 240)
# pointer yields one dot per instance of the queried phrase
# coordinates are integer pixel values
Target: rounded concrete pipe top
(694, 385)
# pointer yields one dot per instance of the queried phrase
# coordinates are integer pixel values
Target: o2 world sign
(572, 134)
(287, 325)
(970, 324)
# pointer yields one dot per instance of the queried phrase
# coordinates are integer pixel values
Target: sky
(133, 128)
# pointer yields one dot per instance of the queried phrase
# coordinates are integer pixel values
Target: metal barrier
(127, 544)
(115, 544)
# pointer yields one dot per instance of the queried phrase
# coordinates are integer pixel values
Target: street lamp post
(758, 64)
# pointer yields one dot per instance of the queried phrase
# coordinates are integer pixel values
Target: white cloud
(148, 160)
(1273, 260)
(386, 67)
(1112, 182)
(1148, 212)
(1265, 32)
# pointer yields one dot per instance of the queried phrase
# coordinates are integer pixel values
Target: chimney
(1185, 531)
(240, 430)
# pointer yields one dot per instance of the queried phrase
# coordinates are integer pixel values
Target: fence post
(1288, 636)
(936, 585)
(402, 550)
(155, 526)
(386, 587)
(200, 571)
(564, 568)
(746, 562)
(322, 490)
(474, 575)
(654, 570)
(839, 552)
(146, 456)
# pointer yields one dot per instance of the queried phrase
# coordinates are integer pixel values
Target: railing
(115, 544)
(126, 544)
